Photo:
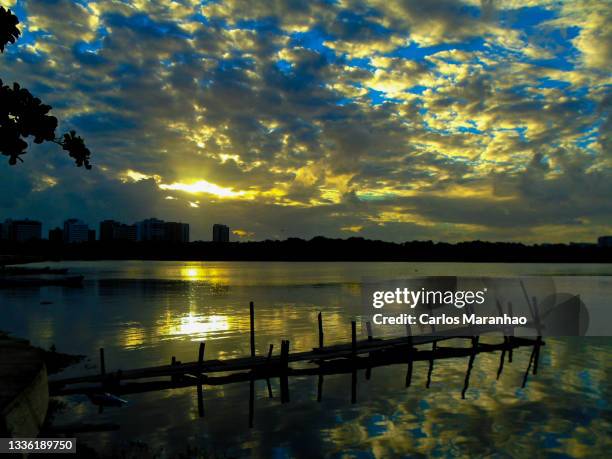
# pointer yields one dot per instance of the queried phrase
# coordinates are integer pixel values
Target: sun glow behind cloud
(203, 186)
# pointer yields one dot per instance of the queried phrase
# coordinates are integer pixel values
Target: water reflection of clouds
(564, 410)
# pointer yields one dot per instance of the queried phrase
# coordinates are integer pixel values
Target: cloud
(396, 120)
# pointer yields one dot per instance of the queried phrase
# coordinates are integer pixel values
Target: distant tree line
(316, 249)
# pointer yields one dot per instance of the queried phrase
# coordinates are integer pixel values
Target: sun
(202, 186)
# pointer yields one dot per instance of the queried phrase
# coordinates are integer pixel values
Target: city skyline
(392, 121)
(220, 232)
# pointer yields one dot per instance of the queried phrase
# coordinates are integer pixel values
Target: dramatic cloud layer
(400, 120)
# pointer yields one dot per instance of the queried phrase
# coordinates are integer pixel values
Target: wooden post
(320, 318)
(353, 338)
(501, 359)
(102, 363)
(536, 357)
(252, 313)
(369, 329)
(200, 377)
(284, 379)
(466, 383)
(510, 340)
(285, 354)
(201, 355)
(282, 353)
(320, 388)
(531, 357)
(409, 371)
(270, 395)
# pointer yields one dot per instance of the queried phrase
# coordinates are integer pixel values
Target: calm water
(143, 313)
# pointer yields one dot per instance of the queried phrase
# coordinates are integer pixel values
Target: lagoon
(145, 312)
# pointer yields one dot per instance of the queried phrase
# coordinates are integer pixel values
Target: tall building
(220, 233)
(75, 231)
(150, 229)
(176, 232)
(111, 230)
(604, 241)
(21, 230)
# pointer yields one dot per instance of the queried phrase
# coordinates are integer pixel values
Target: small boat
(106, 399)
(30, 281)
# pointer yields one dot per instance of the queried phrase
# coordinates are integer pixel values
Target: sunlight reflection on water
(143, 313)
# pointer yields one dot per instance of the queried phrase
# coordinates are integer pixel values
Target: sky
(396, 120)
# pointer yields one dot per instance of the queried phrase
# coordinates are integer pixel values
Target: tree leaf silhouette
(76, 149)
(8, 28)
(22, 115)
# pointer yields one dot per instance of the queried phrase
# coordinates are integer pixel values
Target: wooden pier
(323, 360)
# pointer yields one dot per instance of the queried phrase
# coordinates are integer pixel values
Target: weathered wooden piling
(501, 359)
(353, 338)
(320, 320)
(252, 314)
(468, 373)
(429, 372)
(537, 354)
(531, 357)
(201, 349)
(284, 357)
(284, 376)
(511, 336)
(409, 373)
(201, 356)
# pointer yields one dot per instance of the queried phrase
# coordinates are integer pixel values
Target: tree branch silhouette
(22, 115)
